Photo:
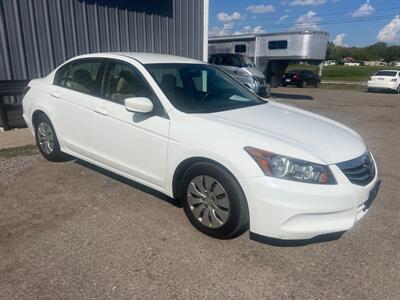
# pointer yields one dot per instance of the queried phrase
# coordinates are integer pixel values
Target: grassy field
(343, 73)
(19, 151)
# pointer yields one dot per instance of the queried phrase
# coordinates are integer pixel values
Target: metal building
(38, 35)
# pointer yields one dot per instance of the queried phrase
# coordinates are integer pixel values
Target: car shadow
(380, 92)
(129, 182)
(291, 96)
(296, 243)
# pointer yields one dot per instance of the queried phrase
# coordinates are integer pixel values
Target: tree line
(376, 51)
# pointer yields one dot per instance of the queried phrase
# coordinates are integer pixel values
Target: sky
(349, 22)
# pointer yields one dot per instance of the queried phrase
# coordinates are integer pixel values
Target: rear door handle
(101, 110)
(55, 95)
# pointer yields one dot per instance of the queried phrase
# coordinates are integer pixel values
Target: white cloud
(339, 40)
(307, 2)
(227, 18)
(250, 30)
(365, 9)
(221, 31)
(281, 19)
(260, 9)
(307, 21)
(391, 32)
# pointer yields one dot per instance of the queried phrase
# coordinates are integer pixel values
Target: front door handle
(101, 110)
(55, 94)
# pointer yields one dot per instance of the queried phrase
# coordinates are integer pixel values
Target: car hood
(249, 71)
(327, 140)
(255, 72)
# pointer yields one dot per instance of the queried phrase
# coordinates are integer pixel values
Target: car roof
(144, 58)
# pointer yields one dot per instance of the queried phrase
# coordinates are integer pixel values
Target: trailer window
(240, 48)
(275, 45)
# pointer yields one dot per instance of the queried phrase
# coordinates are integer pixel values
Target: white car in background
(192, 132)
(385, 80)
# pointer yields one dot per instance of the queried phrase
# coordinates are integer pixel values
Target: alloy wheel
(45, 137)
(208, 201)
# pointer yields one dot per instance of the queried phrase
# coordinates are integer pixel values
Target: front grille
(260, 81)
(360, 170)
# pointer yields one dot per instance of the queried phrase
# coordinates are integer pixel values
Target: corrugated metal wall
(38, 35)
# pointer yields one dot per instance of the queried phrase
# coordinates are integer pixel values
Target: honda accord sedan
(189, 130)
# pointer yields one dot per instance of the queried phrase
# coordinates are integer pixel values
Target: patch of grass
(19, 151)
(344, 73)
(313, 68)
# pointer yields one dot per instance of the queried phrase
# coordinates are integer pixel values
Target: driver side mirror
(139, 104)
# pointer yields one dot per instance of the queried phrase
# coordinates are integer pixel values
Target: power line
(317, 15)
(340, 21)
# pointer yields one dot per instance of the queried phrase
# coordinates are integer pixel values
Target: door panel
(133, 143)
(74, 90)
(74, 120)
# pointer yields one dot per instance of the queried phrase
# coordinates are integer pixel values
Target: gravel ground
(73, 231)
(11, 167)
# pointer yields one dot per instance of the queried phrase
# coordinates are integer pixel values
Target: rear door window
(81, 76)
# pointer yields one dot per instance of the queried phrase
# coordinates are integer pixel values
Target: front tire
(46, 139)
(214, 201)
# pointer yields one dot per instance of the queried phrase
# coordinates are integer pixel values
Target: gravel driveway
(73, 231)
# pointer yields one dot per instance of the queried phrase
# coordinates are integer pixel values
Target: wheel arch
(188, 162)
(36, 114)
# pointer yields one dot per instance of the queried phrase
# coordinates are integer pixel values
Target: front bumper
(288, 210)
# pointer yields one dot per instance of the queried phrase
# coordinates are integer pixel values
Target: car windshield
(386, 73)
(201, 88)
(246, 61)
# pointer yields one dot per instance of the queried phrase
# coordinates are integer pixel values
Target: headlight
(279, 166)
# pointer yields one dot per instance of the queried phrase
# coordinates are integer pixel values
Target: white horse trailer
(272, 52)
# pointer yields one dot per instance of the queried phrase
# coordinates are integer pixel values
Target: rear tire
(317, 85)
(214, 201)
(46, 139)
(304, 84)
(398, 89)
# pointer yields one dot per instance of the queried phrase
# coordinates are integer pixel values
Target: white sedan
(385, 80)
(190, 131)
